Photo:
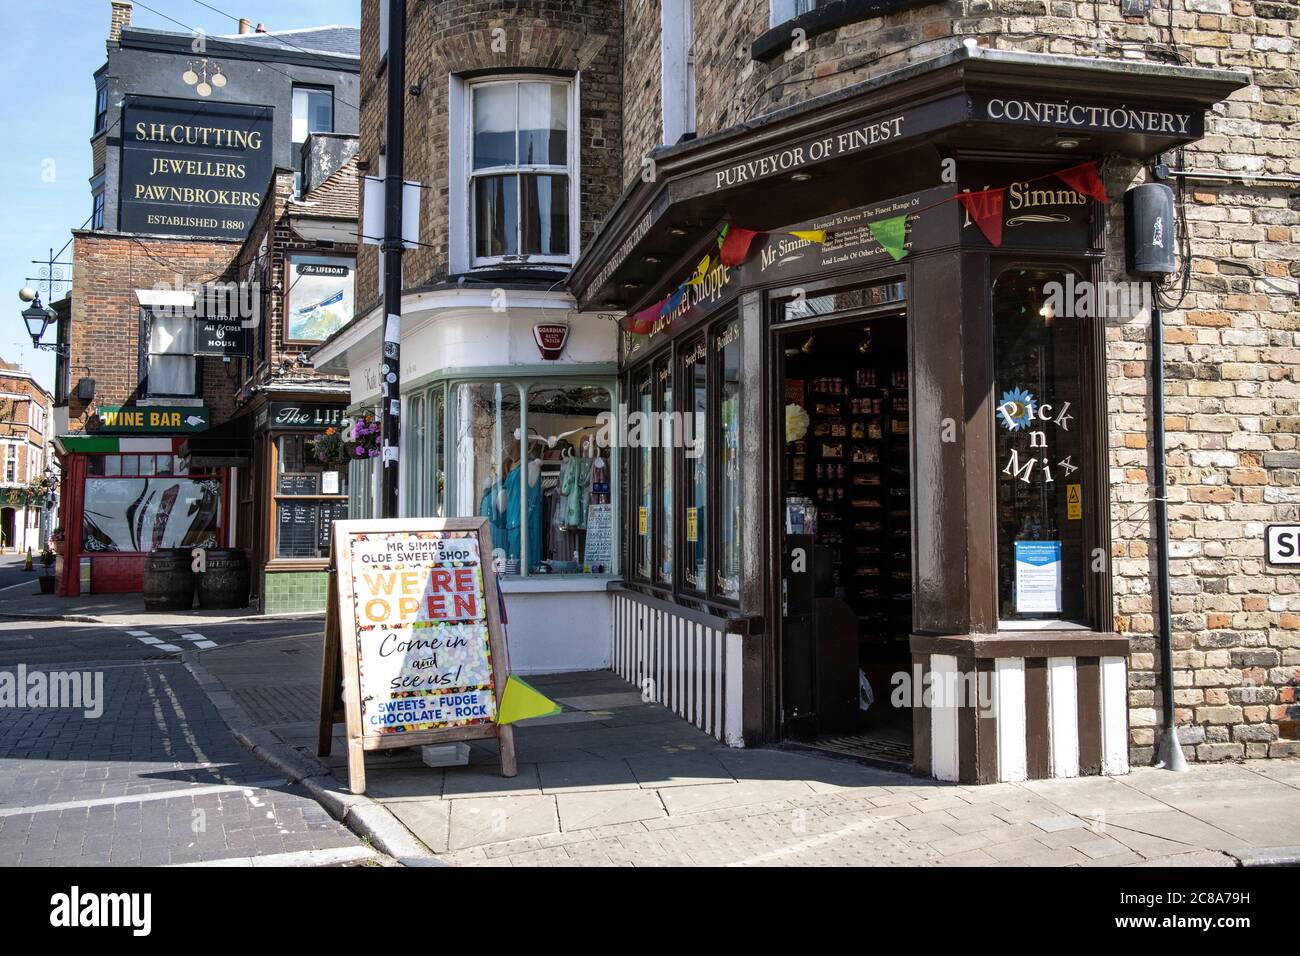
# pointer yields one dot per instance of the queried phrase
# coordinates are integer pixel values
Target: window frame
(462, 227)
(101, 106)
(295, 146)
(1093, 467)
(274, 557)
(97, 206)
(524, 383)
(146, 335)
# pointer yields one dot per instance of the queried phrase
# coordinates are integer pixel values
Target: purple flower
(361, 452)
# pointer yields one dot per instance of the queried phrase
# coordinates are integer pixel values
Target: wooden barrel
(225, 583)
(168, 580)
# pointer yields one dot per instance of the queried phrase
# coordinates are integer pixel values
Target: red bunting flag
(736, 246)
(985, 207)
(642, 322)
(1085, 179)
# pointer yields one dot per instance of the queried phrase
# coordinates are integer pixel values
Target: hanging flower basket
(363, 438)
(331, 448)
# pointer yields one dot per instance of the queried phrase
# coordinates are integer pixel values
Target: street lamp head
(37, 318)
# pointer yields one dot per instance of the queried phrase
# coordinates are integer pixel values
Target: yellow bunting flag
(812, 235)
(520, 701)
(700, 271)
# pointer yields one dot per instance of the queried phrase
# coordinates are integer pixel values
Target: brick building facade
(25, 428)
(184, 150)
(454, 37)
(1230, 357)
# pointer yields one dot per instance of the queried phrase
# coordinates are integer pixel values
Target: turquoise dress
(513, 521)
(496, 519)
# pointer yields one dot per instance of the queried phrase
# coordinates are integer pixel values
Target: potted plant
(47, 575)
(56, 540)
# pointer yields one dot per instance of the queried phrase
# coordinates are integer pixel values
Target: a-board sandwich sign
(423, 649)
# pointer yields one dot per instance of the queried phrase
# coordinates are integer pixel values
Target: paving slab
(478, 781)
(480, 820)
(678, 771)
(1088, 796)
(722, 796)
(568, 776)
(582, 811)
(1173, 825)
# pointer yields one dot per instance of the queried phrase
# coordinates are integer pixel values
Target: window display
(695, 565)
(1041, 487)
(727, 343)
(541, 495)
(135, 503)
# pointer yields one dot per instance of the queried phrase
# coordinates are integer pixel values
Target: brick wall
(105, 326)
(17, 423)
(457, 36)
(335, 196)
(1232, 359)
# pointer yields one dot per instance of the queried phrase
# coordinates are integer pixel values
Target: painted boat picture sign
(423, 648)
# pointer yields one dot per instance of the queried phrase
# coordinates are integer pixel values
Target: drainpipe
(1170, 752)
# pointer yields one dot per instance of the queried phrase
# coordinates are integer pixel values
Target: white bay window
(515, 140)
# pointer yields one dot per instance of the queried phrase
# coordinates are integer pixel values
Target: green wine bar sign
(154, 419)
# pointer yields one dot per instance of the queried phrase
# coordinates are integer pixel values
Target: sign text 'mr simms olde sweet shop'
(193, 169)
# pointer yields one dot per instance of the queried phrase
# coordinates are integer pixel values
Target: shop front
(294, 486)
(873, 516)
(125, 494)
(506, 414)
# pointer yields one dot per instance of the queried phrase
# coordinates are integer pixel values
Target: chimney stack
(245, 25)
(121, 18)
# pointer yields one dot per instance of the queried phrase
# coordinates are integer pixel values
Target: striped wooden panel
(693, 670)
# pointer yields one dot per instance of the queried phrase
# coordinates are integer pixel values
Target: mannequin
(508, 503)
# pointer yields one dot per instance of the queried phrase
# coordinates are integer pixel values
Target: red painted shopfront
(123, 497)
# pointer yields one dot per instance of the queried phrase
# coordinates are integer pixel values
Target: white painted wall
(556, 631)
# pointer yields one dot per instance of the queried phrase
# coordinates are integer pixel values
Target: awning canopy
(881, 138)
(227, 445)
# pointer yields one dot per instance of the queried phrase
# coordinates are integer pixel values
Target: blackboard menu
(299, 484)
(298, 528)
(329, 511)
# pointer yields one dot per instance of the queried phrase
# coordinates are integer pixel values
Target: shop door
(845, 521)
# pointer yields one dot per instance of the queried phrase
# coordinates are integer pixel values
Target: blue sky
(52, 52)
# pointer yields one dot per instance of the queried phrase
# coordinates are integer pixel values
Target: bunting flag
(735, 247)
(891, 234)
(520, 701)
(1085, 179)
(722, 234)
(812, 235)
(701, 271)
(643, 321)
(674, 300)
(985, 207)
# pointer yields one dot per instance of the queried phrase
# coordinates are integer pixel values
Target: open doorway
(847, 531)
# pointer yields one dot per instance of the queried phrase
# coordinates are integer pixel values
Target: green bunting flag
(891, 234)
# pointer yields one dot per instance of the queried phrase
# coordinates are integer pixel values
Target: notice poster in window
(598, 549)
(1038, 577)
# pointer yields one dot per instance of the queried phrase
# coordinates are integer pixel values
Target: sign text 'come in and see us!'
(422, 634)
